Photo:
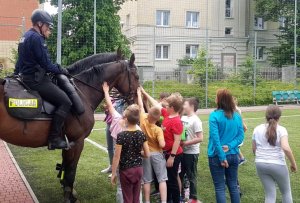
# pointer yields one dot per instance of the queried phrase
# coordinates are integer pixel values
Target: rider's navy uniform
(32, 52)
(33, 65)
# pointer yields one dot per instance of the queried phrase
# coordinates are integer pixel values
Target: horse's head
(128, 82)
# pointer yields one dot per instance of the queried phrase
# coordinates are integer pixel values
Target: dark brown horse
(121, 74)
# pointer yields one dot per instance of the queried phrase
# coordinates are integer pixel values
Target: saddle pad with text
(20, 102)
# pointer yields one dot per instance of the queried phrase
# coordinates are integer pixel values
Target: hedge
(244, 93)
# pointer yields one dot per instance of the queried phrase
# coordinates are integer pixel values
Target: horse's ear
(132, 59)
(119, 53)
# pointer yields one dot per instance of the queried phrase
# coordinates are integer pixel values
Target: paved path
(13, 185)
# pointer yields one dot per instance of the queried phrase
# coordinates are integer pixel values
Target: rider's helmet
(41, 16)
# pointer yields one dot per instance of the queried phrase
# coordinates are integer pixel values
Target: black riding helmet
(41, 16)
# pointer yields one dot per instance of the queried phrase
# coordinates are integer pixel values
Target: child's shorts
(155, 163)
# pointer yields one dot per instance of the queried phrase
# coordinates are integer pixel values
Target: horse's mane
(95, 73)
(91, 61)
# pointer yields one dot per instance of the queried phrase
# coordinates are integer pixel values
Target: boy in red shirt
(172, 128)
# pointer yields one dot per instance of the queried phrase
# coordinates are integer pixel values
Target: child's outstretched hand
(139, 92)
(105, 87)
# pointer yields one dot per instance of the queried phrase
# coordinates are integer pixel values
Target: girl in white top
(270, 145)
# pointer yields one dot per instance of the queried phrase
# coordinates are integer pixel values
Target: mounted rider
(33, 66)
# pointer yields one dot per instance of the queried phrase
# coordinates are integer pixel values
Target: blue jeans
(230, 175)
(110, 144)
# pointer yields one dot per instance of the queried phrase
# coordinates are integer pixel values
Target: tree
(283, 10)
(199, 67)
(78, 26)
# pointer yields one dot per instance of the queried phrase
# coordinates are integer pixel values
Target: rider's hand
(63, 70)
(105, 87)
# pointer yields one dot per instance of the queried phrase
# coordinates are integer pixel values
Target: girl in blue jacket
(226, 133)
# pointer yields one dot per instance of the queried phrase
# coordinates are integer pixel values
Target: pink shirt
(116, 127)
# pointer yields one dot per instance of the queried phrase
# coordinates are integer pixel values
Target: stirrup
(68, 147)
(69, 144)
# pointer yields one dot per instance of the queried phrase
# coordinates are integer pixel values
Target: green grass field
(38, 166)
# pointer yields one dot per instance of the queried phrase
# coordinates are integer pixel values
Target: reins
(125, 97)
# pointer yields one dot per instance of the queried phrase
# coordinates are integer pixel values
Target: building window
(228, 9)
(260, 53)
(228, 31)
(192, 19)
(162, 18)
(191, 51)
(282, 22)
(259, 23)
(162, 51)
(128, 20)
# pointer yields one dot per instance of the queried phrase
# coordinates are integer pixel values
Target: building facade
(14, 20)
(163, 31)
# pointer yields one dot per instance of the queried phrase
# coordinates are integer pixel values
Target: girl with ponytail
(270, 145)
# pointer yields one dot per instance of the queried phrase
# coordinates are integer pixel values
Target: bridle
(129, 97)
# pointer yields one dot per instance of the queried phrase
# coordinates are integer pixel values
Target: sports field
(38, 166)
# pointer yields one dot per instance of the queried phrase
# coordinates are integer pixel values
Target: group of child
(163, 146)
(149, 146)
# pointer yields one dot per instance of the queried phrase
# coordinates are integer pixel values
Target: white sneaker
(109, 176)
(107, 170)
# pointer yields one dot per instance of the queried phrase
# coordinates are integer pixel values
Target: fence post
(206, 59)
(295, 42)
(95, 27)
(254, 68)
(154, 56)
(59, 19)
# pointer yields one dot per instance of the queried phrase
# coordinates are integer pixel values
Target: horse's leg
(70, 161)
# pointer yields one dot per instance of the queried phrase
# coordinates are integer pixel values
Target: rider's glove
(63, 70)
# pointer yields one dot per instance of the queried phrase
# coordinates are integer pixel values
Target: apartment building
(14, 19)
(163, 31)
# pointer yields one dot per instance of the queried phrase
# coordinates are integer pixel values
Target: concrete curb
(34, 198)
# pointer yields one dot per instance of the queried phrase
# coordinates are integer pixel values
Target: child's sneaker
(242, 161)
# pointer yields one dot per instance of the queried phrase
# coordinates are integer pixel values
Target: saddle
(23, 103)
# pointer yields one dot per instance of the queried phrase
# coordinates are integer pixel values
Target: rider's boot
(55, 140)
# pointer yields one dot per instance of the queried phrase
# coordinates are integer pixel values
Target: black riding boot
(55, 139)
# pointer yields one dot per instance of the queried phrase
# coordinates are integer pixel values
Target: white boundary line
(96, 145)
(259, 118)
(21, 174)
(97, 129)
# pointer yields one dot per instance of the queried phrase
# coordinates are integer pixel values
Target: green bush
(244, 93)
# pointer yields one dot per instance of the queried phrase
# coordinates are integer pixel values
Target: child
(237, 109)
(191, 147)
(270, 146)
(156, 142)
(172, 128)
(119, 107)
(117, 125)
(162, 98)
(128, 154)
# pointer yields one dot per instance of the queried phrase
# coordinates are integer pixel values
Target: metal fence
(190, 50)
